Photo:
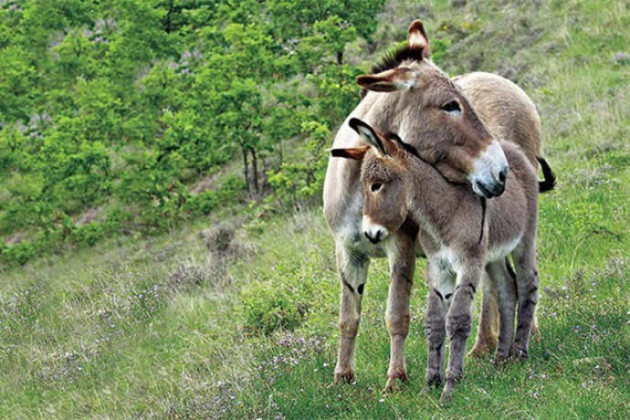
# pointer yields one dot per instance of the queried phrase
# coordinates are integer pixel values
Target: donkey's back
(505, 109)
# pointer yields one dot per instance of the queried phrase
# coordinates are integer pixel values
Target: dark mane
(394, 59)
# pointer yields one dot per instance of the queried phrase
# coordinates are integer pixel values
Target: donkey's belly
(500, 251)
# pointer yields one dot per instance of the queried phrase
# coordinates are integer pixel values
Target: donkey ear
(417, 38)
(368, 134)
(399, 78)
(356, 153)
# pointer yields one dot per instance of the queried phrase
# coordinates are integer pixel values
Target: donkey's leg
(441, 287)
(535, 331)
(352, 268)
(489, 323)
(527, 291)
(459, 322)
(402, 261)
(505, 287)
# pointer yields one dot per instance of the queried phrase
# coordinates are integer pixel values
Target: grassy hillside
(234, 315)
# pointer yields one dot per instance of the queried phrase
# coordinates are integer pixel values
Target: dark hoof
(391, 385)
(518, 353)
(500, 359)
(345, 376)
(434, 379)
(447, 395)
(481, 350)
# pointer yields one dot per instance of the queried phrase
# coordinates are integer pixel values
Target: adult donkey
(454, 124)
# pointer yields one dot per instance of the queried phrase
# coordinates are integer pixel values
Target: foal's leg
(441, 287)
(459, 322)
(504, 286)
(352, 268)
(489, 323)
(527, 290)
(402, 260)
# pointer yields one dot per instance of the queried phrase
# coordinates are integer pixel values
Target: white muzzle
(373, 231)
(490, 172)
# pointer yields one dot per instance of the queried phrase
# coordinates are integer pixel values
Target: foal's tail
(549, 182)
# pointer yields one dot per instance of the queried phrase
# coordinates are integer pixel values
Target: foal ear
(368, 134)
(356, 153)
(400, 78)
(417, 38)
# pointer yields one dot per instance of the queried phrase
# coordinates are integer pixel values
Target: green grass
(174, 325)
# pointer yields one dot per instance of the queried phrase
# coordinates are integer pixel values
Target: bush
(89, 234)
(114, 105)
(267, 308)
(298, 184)
(17, 254)
(205, 202)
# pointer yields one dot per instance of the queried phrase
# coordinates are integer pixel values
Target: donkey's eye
(376, 186)
(452, 108)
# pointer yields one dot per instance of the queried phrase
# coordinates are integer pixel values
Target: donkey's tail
(549, 182)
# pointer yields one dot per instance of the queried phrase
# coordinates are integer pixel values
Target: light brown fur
(508, 114)
(401, 111)
(462, 239)
(505, 110)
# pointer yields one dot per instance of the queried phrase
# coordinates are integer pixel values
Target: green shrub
(89, 234)
(17, 254)
(233, 186)
(267, 308)
(300, 183)
(206, 201)
(128, 103)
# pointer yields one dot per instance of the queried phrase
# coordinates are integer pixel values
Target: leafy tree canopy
(125, 105)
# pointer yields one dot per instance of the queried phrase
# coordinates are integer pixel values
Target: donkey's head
(431, 113)
(386, 181)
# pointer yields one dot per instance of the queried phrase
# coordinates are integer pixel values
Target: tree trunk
(166, 22)
(246, 170)
(281, 154)
(255, 169)
(339, 57)
(266, 167)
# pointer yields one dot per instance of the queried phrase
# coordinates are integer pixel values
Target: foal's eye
(376, 186)
(452, 108)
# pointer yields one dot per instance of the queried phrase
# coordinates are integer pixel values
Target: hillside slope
(234, 315)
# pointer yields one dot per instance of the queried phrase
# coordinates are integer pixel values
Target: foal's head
(385, 177)
(432, 114)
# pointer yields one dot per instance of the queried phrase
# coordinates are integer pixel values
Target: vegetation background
(162, 247)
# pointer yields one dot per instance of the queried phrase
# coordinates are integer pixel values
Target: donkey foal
(462, 236)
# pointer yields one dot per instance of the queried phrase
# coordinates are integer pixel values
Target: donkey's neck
(436, 203)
